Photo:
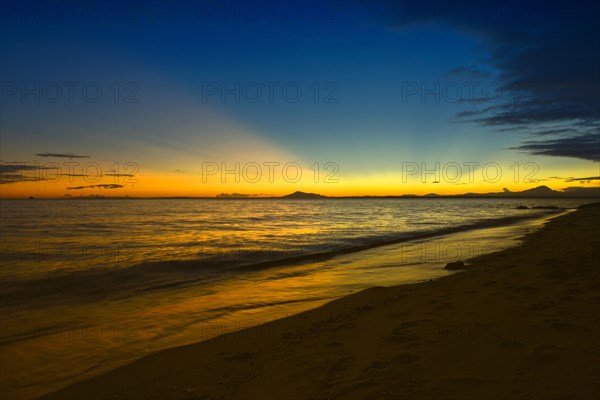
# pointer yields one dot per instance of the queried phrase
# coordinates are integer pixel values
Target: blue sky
(369, 61)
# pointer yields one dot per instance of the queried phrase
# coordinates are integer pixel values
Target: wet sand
(521, 324)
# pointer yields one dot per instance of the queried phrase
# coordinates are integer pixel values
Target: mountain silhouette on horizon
(540, 191)
(303, 195)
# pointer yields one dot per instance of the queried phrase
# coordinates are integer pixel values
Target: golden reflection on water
(74, 342)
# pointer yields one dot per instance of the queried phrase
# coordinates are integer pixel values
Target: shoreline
(496, 331)
(396, 264)
(79, 281)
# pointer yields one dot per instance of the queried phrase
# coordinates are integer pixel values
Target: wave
(102, 283)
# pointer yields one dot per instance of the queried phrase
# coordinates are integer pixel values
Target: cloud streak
(20, 172)
(585, 147)
(589, 178)
(100, 186)
(61, 155)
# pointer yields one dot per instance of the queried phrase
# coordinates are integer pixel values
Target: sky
(264, 98)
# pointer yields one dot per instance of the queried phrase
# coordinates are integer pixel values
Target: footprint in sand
(572, 291)
(541, 306)
(508, 343)
(242, 357)
(489, 283)
(567, 298)
(527, 289)
(562, 326)
(378, 365)
(408, 324)
(337, 367)
(544, 354)
(406, 358)
(460, 382)
(401, 336)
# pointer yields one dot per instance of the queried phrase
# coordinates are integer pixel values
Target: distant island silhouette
(302, 195)
(540, 192)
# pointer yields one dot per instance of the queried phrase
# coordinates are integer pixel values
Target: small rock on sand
(455, 265)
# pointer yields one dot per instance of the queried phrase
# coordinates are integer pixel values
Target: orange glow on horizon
(188, 185)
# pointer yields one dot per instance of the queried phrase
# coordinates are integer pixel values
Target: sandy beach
(519, 324)
(293, 200)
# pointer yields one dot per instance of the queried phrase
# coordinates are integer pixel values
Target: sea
(88, 285)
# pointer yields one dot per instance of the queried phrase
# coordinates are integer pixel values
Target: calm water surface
(87, 285)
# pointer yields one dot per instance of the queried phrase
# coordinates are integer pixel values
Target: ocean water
(46, 237)
(88, 285)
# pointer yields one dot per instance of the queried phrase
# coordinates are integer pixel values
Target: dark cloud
(100, 186)
(547, 58)
(118, 175)
(555, 132)
(31, 172)
(589, 178)
(61, 155)
(586, 147)
(22, 172)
